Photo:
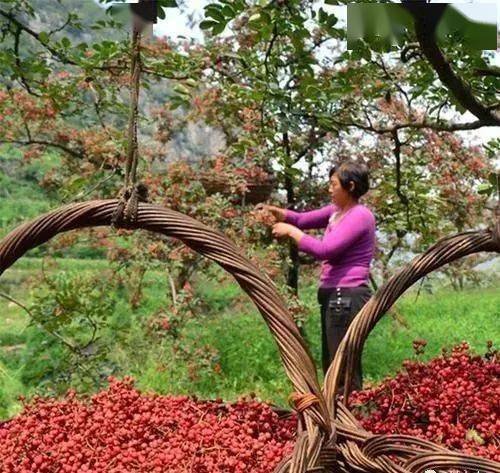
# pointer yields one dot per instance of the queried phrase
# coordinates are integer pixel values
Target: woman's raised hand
(277, 212)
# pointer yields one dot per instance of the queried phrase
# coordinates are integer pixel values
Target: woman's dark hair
(348, 171)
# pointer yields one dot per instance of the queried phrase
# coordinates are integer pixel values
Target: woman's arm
(308, 220)
(347, 231)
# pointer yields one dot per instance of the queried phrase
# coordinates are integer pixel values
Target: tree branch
(270, 48)
(81, 196)
(313, 142)
(425, 31)
(24, 82)
(36, 36)
(437, 126)
(60, 28)
(70, 151)
(402, 197)
(72, 347)
(432, 125)
(67, 60)
(495, 72)
(394, 81)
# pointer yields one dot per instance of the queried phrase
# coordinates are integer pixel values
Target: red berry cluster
(451, 400)
(121, 430)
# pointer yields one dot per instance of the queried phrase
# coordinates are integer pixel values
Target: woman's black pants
(339, 306)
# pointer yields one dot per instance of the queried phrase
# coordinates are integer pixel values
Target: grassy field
(228, 333)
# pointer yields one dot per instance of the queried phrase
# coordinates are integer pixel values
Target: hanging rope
(132, 192)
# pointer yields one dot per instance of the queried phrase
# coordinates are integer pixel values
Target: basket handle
(445, 251)
(295, 355)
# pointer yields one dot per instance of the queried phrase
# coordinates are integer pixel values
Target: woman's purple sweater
(347, 247)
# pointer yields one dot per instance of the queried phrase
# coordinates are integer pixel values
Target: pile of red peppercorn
(121, 430)
(452, 400)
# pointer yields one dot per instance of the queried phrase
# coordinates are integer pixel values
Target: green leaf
(229, 11)
(167, 4)
(177, 101)
(180, 89)
(43, 37)
(254, 18)
(494, 179)
(292, 173)
(215, 13)
(218, 28)
(332, 20)
(323, 16)
(174, 105)
(473, 435)
(76, 184)
(66, 42)
(208, 24)
(458, 106)
(484, 188)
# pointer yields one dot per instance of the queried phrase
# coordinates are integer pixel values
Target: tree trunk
(373, 282)
(292, 278)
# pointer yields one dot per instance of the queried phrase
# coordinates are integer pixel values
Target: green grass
(21, 196)
(250, 361)
(229, 332)
(31, 264)
(443, 319)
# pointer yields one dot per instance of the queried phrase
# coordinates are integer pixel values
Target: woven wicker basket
(329, 438)
(256, 191)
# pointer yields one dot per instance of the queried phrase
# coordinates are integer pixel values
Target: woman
(346, 251)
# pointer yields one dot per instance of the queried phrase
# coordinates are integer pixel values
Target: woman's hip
(355, 294)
